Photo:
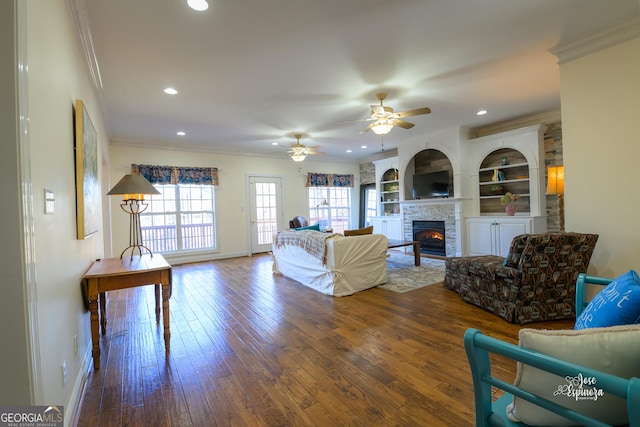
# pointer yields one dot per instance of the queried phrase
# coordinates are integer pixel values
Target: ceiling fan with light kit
(383, 119)
(299, 152)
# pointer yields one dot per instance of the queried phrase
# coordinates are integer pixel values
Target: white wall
(231, 195)
(601, 131)
(56, 77)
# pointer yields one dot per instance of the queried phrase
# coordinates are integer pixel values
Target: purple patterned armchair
(536, 282)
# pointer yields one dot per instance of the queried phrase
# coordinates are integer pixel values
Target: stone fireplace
(444, 211)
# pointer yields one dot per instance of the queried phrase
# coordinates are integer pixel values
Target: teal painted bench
(488, 413)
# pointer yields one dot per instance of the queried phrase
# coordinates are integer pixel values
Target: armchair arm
(581, 289)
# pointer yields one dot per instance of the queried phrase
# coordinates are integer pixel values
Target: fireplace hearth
(431, 235)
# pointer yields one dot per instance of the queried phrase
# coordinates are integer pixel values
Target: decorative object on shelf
(555, 185)
(505, 161)
(494, 177)
(497, 189)
(509, 201)
(395, 174)
(133, 188)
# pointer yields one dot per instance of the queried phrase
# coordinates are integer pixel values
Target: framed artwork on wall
(87, 183)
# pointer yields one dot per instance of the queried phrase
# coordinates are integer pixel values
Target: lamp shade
(298, 157)
(132, 187)
(555, 180)
(381, 128)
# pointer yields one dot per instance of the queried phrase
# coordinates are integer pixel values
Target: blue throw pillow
(315, 227)
(617, 304)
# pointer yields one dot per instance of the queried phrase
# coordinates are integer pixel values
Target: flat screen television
(431, 185)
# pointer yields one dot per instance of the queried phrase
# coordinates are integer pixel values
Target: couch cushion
(617, 304)
(315, 227)
(359, 231)
(615, 350)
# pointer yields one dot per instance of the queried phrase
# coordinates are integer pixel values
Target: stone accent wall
(367, 173)
(553, 157)
(432, 212)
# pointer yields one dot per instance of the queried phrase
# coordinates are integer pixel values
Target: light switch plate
(49, 201)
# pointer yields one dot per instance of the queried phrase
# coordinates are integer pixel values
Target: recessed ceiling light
(199, 5)
(274, 143)
(349, 151)
(481, 112)
(364, 146)
(181, 133)
(170, 91)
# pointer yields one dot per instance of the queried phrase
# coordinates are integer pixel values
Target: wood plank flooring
(249, 348)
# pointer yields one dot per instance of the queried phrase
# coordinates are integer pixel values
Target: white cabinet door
(493, 235)
(481, 237)
(389, 226)
(505, 232)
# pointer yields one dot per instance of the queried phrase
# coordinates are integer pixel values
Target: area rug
(403, 276)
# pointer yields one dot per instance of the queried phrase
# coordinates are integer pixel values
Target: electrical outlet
(75, 344)
(64, 372)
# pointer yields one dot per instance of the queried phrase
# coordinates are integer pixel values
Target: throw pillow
(617, 304)
(359, 231)
(315, 227)
(615, 350)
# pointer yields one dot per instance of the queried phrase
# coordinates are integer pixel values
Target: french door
(265, 198)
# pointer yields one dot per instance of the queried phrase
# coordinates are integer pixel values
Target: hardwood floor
(249, 348)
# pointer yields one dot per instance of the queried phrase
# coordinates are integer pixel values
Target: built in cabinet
(390, 226)
(388, 186)
(503, 171)
(513, 162)
(493, 235)
(390, 192)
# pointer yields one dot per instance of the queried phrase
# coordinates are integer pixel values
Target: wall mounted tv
(431, 185)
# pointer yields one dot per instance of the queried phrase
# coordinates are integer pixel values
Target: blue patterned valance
(329, 180)
(176, 174)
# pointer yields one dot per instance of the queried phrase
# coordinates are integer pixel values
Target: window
(180, 218)
(330, 206)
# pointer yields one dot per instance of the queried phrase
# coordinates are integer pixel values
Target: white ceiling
(253, 72)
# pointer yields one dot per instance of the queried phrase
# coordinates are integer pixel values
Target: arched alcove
(427, 162)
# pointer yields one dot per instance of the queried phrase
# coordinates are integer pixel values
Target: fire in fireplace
(431, 235)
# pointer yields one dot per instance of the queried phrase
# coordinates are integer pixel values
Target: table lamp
(555, 185)
(133, 188)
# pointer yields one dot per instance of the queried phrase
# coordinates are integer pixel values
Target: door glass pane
(266, 212)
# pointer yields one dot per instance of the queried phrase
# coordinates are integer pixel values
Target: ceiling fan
(299, 152)
(384, 119)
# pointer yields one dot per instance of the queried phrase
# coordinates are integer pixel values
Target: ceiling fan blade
(403, 124)
(368, 119)
(416, 112)
(367, 128)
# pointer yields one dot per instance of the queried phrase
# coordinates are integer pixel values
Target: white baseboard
(72, 406)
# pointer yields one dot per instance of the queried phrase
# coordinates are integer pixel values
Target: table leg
(157, 303)
(166, 294)
(93, 309)
(416, 253)
(103, 312)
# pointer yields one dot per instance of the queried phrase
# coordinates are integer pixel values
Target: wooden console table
(416, 247)
(121, 273)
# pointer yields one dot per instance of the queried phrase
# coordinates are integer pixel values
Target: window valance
(329, 180)
(176, 174)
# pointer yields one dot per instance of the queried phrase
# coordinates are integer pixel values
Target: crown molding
(618, 33)
(542, 118)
